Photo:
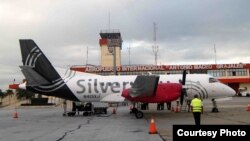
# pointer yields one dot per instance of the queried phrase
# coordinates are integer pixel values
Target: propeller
(183, 91)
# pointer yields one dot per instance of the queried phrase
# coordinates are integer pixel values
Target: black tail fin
(40, 74)
(36, 67)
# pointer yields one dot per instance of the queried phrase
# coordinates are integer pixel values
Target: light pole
(114, 54)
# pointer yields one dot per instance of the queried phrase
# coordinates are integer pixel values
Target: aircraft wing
(113, 98)
(144, 85)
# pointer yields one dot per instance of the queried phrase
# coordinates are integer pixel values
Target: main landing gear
(138, 114)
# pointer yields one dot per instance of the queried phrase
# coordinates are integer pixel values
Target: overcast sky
(187, 31)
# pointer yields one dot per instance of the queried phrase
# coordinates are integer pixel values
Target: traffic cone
(177, 109)
(152, 127)
(15, 114)
(248, 107)
(114, 111)
(172, 109)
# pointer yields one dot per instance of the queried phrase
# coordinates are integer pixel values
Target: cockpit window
(213, 80)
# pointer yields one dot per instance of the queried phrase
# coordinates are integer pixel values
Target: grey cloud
(187, 30)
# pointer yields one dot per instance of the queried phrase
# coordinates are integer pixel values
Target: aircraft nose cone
(228, 91)
(231, 92)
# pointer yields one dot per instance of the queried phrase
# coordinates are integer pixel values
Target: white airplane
(41, 77)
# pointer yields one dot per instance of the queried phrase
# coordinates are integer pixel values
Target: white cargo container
(100, 107)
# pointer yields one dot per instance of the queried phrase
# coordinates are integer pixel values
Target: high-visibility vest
(197, 105)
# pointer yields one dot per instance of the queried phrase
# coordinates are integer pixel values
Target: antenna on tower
(87, 55)
(155, 47)
(215, 58)
(129, 54)
(109, 21)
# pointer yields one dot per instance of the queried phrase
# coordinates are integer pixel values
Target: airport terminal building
(235, 75)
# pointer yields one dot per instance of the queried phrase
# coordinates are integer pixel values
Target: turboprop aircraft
(41, 77)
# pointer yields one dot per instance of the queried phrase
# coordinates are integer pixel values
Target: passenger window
(213, 80)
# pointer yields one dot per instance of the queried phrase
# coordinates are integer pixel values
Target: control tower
(110, 46)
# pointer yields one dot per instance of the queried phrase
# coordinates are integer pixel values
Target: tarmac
(47, 123)
(231, 112)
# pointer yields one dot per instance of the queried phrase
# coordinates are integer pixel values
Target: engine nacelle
(165, 92)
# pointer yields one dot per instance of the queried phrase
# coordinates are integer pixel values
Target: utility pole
(87, 57)
(109, 21)
(155, 47)
(215, 58)
(114, 53)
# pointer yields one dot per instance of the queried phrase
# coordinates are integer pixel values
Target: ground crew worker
(78, 107)
(197, 109)
(188, 104)
(64, 107)
(169, 105)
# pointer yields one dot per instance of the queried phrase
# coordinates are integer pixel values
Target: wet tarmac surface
(231, 112)
(47, 123)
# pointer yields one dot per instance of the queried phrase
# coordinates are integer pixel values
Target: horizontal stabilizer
(144, 85)
(33, 78)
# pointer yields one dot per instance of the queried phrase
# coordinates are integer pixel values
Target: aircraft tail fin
(41, 76)
(36, 67)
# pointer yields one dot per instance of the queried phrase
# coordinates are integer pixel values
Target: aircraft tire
(215, 110)
(139, 114)
(134, 110)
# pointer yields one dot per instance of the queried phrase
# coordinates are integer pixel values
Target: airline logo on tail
(31, 59)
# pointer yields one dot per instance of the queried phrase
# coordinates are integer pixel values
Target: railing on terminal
(110, 31)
